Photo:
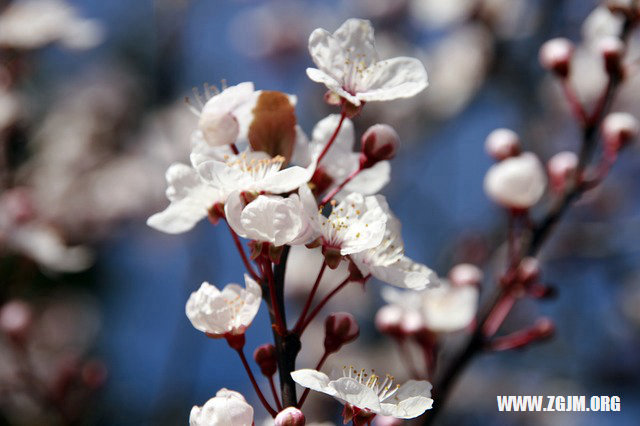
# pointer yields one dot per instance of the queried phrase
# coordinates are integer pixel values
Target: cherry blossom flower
(227, 408)
(227, 312)
(355, 224)
(254, 171)
(516, 182)
(387, 261)
(368, 392)
(340, 161)
(270, 218)
(348, 65)
(191, 199)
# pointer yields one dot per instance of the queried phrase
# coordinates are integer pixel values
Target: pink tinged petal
(332, 84)
(392, 79)
(285, 180)
(314, 380)
(356, 393)
(219, 129)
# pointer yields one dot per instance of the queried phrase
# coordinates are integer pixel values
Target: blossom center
(257, 168)
(384, 389)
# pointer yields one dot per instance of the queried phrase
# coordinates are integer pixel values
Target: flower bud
(517, 182)
(612, 50)
(502, 143)
(388, 320)
(379, 143)
(340, 328)
(529, 270)
(618, 129)
(386, 421)
(412, 323)
(15, 320)
(555, 55)
(266, 358)
(562, 168)
(290, 416)
(464, 274)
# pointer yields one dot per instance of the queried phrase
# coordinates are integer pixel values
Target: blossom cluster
(253, 167)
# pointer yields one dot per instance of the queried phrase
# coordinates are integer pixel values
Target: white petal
(252, 297)
(220, 175)
(448, 309)
(356, 393)
(227, 408)
(406, 274)
(325, 128)
(201, 151)
(413, 398)
(392, 79)
(371, 180)
(219, 129)
(314, 380)
(286, 180)
(301, 154)
(327, 54)
(273, 219)
(357, 35)
(178, 217)
(517, 181)
(233, 213)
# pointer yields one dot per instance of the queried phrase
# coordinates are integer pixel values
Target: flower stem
(275, 393)
(312, 294)
(337, 189)
(234, 148)
(264, 402)
(323, 302)
(243, 255)
(343, 115)
(280, 326)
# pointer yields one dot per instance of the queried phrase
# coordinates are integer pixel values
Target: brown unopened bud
(290, 416)
(266, 358)
(465, 274)
(618, 129)
(502, 143)
(15, 320)
(379, 143)
(612, 50)
(388, 320)
(340, 328)
(555, 55)
(562, 168)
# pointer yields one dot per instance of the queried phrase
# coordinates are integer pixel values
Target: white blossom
(229, 311)
(516, 182)
(355, 224)
(369, 392)
(227, 408)
(387, 261)
(348, 65)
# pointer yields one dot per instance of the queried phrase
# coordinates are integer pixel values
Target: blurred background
(92, 112)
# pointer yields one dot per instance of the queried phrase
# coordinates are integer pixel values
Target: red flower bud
(612, 50)
(15, 320)
(266, 358)
(562, 168)
(502, 143)
(618, 129)
(465, 274)
(379, 143)
(340, 328)
(388, 320)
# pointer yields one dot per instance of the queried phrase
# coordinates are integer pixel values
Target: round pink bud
(379, 143)
(94, 374)
(529, 270)
(502, 143)
(618, 129)
(386, 421)
(562, 168)
(465, 274)
(388, 320)
(544, 327)
(412, 323)
(290, 416)
(555, 55)
(266, 358)
(340, 328)
(517, 182)
(15, 320)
